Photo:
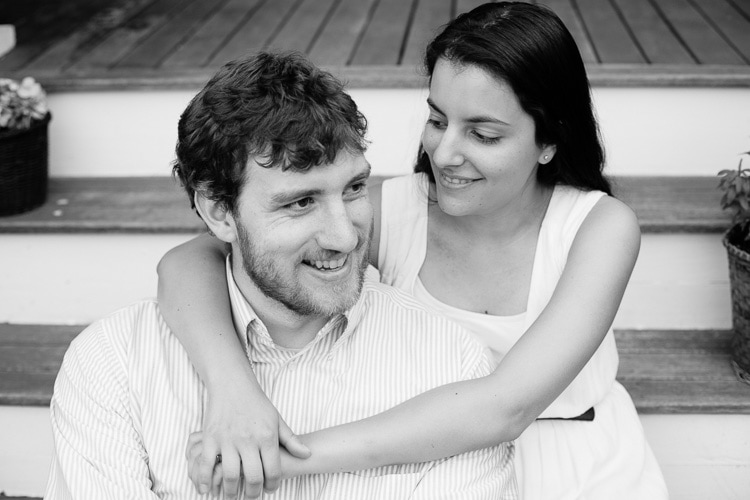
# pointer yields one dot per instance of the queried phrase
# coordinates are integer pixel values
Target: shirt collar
(243, 314)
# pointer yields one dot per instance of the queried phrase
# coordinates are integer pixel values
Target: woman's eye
(485, 139)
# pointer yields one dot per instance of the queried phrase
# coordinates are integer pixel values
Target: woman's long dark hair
(529, 48)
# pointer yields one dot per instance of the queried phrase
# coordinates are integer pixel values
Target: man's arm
(98, 451)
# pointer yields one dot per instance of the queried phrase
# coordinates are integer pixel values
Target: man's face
(304, 236)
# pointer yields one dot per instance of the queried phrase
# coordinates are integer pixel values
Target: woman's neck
(520, 215)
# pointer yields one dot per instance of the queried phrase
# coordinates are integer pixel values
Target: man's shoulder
(396, 325)
(117, 331)
(408, 315)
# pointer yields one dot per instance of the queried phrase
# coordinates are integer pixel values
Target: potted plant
(23, 145)
(735, 185)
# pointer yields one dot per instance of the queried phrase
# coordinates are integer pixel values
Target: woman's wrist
(230, 376)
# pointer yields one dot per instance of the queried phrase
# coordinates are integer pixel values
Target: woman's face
(480, 142)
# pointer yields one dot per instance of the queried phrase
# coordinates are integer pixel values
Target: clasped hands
(254, 448)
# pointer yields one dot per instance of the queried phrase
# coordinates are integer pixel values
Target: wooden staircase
(671, 84)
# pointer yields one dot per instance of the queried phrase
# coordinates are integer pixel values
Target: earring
(546, 157)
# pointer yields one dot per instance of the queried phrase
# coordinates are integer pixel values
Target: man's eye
(435, 123)
(302, 204)
(358, 187)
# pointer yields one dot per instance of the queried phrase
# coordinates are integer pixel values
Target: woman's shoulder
(569, 206)
(573, 209)
(405, 184)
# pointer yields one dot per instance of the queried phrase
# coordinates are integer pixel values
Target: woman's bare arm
(240, 423)
(474, 414)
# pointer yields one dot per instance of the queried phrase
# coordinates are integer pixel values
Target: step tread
(159, 205)
(391, 77)
(665, 371)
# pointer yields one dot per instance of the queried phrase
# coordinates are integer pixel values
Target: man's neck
(291, 331)
(286, 328)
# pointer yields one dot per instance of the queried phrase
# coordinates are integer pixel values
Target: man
(271, 154)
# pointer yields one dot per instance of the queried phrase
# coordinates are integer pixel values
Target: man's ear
(218, 219)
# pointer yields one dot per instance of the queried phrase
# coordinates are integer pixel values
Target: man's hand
(245, 432)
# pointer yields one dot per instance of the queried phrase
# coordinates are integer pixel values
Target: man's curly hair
(276, 107)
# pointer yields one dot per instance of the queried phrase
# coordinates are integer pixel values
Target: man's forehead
(273, 180)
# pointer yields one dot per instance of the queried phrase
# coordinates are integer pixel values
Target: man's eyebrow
(286, 197)
(362, 176)
(473, 119)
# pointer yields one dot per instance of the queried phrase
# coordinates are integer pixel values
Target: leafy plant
(21, 103)
(735, 185)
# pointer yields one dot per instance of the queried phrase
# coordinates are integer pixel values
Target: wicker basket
(739, 278)
(23, 168)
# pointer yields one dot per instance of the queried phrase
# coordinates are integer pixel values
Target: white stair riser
(648, 131)
(702, 456)
(680, 280)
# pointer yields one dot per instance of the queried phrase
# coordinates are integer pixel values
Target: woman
(508, 228)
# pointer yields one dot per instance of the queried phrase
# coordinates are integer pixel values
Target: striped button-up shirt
(127, 397)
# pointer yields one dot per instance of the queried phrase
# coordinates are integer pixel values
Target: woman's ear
(548, 152)
(216, 216)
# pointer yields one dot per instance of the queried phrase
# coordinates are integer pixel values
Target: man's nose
(447, 153)
(337, 231)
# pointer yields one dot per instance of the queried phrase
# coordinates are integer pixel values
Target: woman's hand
(245, 430)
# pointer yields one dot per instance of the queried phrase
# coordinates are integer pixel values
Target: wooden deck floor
(369, 42)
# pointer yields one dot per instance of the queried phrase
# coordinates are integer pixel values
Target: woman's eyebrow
(473, 119)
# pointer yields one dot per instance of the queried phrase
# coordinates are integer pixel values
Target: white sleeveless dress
(604, 459)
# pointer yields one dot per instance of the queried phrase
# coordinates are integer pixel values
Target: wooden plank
(673, 341)
(92, 205)
(665, 371)
(211, 35)
(300, 30)
(159, 44)
(336, 42)
(569, 16)
(81, 41)
(611, 39)
(27, 389)
(653, 34)
(704, 397)
(125, 37)
(256, 32)
(25, 359)
(731, 23)
(158, 204)
(32, 334)
(693, 367)
(673, 204)
(680, 371)
(42, 25)
(700, 37)
(428, 19)
(384, 35)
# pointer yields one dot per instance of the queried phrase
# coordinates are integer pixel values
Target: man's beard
(269, 277)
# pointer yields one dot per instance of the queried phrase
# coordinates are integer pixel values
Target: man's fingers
(291, 442)
(253, 472)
